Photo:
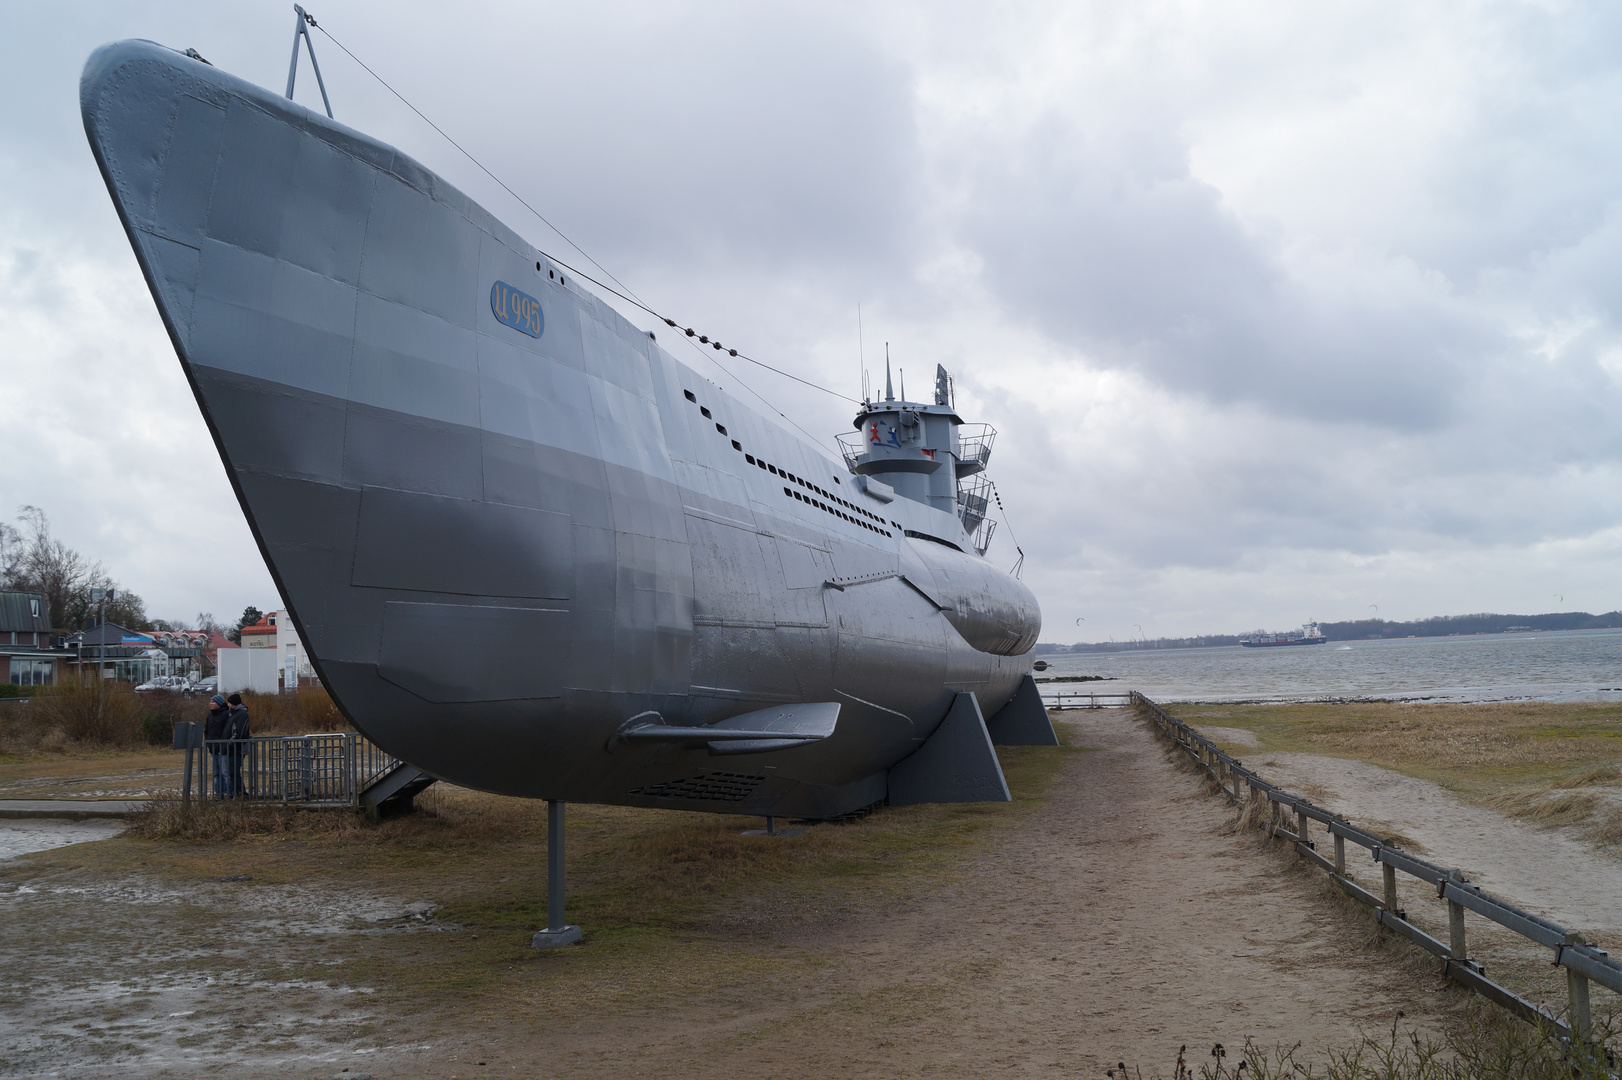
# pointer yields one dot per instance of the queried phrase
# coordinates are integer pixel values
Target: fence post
(1390, 874)
(1340, 855)
(1301, 826)
(1578, 1015)
(1278, 817)
(1455, 922)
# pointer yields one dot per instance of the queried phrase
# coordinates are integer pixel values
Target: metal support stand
(771, 829)
(557, 933)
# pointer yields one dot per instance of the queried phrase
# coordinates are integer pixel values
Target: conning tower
(925, 452)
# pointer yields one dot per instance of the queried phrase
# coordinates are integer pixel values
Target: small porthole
(750, 458)
(738, 446)
(537, 268)
(705, 412)
(688, 394)
(551, 275)
(721, 429)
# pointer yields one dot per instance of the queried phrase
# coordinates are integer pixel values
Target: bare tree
(32, 560)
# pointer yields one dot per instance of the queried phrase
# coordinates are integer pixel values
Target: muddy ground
(1111, 915)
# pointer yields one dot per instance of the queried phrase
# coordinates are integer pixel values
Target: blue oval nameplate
(518, 310)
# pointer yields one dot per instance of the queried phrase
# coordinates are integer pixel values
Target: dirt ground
(1118, 920)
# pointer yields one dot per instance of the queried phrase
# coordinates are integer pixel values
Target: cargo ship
(1309, 634)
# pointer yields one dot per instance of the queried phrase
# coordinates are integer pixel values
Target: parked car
(209, 686)
(171, 683)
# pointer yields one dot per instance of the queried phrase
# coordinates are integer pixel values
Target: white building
(292, 665)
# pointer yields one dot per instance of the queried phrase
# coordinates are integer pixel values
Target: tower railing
(974, 447)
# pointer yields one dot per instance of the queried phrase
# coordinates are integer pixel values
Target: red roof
(261, 627)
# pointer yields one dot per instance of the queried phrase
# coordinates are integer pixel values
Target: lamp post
(101, 596)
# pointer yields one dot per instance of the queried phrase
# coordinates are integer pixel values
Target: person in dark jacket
(213, 734)
(237, 728)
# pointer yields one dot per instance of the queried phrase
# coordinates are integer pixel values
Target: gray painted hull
(498, 547)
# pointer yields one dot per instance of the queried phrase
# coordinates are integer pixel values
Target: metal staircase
(392, 791)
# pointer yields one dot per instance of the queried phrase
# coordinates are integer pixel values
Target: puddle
(21, 836)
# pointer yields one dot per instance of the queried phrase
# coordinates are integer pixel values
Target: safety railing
(852, 445)
(1058, 700)
(315, 770)
(974, 447)
(1583, 963)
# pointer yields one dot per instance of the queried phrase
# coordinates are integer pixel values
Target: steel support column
(558, 932)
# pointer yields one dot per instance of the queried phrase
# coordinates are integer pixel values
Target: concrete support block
(1024, 720)
(956, 764)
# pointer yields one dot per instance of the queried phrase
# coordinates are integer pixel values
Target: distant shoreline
(1483, 625)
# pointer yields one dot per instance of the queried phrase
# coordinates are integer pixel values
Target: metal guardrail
(1059, 700)
(1583, 962)
(974, 447)
(852, 445)
(312, 770)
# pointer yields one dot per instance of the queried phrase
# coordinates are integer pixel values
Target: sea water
(1573, 665)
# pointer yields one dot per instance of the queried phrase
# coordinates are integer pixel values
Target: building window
(32, 672)
(33, 606)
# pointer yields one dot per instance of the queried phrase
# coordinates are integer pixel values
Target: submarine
(528, 550)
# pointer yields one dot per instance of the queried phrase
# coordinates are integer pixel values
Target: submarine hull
(501, 531)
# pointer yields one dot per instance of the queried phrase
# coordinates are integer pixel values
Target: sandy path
(1543, 870)
(1121, 922)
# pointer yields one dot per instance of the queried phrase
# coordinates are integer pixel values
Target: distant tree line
(1371, 630)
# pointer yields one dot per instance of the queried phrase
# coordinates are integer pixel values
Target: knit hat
(217, 700)
(236, 699)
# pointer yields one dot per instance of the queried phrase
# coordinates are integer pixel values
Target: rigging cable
(624, 292)
(1004, 511)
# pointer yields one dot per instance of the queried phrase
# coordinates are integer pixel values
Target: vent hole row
(852, 513)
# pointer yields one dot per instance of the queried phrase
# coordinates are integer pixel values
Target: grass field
(1559, 764)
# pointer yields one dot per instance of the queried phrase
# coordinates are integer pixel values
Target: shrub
(304, 711)
(161, 710)
(106, 715)
(24, 727)
(12, 690)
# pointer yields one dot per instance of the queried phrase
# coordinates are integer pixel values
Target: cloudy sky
(1282, 311)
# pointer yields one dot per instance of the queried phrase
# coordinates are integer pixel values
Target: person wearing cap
(237, 731)
(213, 742)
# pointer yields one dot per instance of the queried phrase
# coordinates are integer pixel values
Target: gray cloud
(1276, 308)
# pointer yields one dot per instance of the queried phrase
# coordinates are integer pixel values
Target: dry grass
(1545, 763)
(1489, 1045)
(91, 719)
(1448, 742)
